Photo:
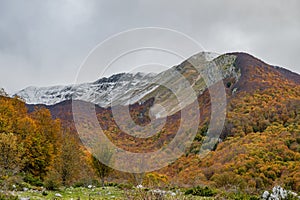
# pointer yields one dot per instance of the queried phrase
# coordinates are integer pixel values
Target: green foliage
(85, 182)
(125, 186)
(291, 197)
(201, 191)
(35, 181)
(52, 184)
(81, 193)
(110, 184)
(239, 196)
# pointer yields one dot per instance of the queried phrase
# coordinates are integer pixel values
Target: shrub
(228, 180)
(111, 184)
(155, 179)
(44, 193)
(240, 196)
(201, 191)
(35, 181)
(125, 186)
(78, 184)
(52, 181)
(51, 185)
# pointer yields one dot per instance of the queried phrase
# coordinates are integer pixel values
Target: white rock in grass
(58, 195)
(273, 197)
(139, 186)
(90, 186)
(265, 195)
(173, 194)
(293, 194)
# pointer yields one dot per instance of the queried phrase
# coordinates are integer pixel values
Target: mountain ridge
(102, 91)
(42, 95)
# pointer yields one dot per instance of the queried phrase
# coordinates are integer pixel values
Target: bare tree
(104, 154)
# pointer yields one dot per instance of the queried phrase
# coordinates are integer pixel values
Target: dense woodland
(261, 148)
(36, 150)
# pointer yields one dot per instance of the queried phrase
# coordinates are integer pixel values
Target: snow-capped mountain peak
(98, 92)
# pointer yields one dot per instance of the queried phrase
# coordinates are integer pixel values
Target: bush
(240, 196)
(51, 185)
(7, 197)
(201, 191)
(35, 181)
(44, 193)
(7, 182)
(228, 180)
(78, 184)
(125, 186)
(96, 183)
(86, 183)
(155, 179)
(111, 184)
(22, 185)
(52, 181)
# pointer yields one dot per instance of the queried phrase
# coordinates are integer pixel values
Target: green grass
(97, 193)
(76, 193)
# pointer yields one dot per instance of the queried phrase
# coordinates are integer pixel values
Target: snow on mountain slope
(99, 92)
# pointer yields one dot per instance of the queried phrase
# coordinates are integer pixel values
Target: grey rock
(278, 193)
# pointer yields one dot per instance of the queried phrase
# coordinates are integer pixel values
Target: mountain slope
(260, 143)
(256, 74)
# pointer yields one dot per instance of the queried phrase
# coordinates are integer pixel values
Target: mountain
(259, 145)
(125, 88)
(98, 92)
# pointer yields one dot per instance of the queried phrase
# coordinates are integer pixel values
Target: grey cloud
(44, 42)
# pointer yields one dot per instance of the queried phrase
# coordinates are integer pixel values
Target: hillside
(261, 137)
(259, 146)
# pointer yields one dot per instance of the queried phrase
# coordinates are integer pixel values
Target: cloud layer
(44, 42)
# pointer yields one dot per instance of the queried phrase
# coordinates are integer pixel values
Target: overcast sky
(44, 42)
